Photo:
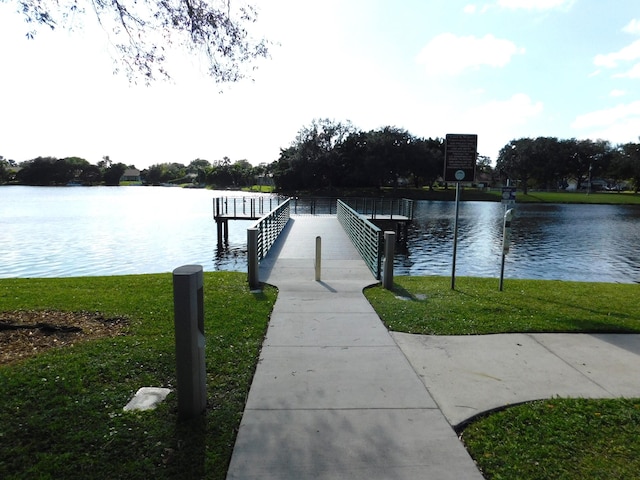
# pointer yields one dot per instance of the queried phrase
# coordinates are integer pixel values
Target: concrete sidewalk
(469, 375)
(334, 397)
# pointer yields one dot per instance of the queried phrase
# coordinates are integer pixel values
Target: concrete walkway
(336, 396)
(469, 375)
(333, 396)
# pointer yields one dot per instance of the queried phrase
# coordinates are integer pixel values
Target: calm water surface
(562, 242)
(77, 231)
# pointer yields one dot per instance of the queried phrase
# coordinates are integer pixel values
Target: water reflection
(566, 242)
(59, 232)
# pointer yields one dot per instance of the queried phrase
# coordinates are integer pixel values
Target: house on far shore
(131, 176)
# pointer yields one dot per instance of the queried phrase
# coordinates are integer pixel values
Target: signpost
(459, 166)
(460, 157)
(508, 196)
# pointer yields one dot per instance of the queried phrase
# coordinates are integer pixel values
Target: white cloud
(633, 27)
(536, 4)
(612, 60)
(449, 54)
(470, 9)
(619, 124)
(633, 73)
(608, 117)
(617, 93)
(498, 121)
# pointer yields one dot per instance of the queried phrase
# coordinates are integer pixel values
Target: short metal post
(318, 257)
(188, 300)
(389, 253)
(252, 258)
(506, 238)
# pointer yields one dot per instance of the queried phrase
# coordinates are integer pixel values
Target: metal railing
(387, 207)
(245, 207)
(365, 236)
(270, 226)
(261, 237)
(313, 206)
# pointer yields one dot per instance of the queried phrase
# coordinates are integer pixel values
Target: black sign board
(460, 157)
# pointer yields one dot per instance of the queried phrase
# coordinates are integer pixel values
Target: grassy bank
(61, 411)
(427, 305)
(481, 195)
(550, 439)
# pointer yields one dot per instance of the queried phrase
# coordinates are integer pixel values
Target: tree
(312, 160)
(515, 161)
(4, 170)
(141, 31)
(165, 173)
(428, 162)
(113, 174)
(630, 164)
(43, 171)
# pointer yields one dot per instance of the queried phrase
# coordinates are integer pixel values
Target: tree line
(51, 171)
(328, 155)
(550, 163)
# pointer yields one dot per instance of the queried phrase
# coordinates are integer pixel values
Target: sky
(501, 69)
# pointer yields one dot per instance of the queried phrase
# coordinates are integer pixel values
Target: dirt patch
(25, 333)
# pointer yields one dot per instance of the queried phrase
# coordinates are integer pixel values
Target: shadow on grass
(187, 460)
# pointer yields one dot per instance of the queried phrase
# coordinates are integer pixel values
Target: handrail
(249, 207)
(387, 207)
(365, 236)
(270, 226)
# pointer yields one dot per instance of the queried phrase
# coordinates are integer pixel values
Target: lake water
(78, 231)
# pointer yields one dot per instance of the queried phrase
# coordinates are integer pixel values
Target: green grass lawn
(610, 198)
(550, 439)
(428, 305)
(559, 439)
(61, 412)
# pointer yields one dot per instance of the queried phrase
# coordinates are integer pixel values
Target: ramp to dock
(333, 396)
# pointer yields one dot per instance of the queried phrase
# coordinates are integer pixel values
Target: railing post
(318, 257)
(389, 252)
(188, 301)
(252, 258)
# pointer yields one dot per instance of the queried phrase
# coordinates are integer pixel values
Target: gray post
(455, 238)
(252, 258)
(188, 300)
(389, 252)
(318, 257)
(506, 238)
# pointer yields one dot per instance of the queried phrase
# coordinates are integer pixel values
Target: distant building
(131, 175)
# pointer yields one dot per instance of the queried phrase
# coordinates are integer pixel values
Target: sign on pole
(509, 196)
(459, 166)
(460, 157)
